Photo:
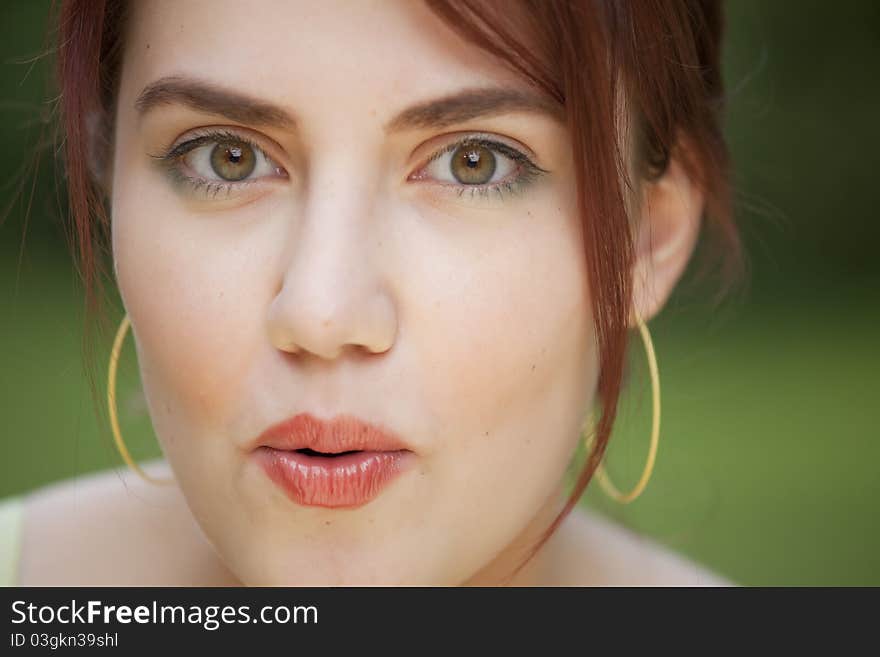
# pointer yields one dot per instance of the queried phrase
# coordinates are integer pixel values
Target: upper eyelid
(212, 132)
(488, 142)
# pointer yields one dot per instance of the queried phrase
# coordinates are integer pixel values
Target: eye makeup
(192, 164)
(196, 165)
(470, 150)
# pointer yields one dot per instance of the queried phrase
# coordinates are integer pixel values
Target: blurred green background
(768, 463)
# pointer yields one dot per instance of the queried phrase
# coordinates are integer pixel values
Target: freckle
(486, 434)
(533, 367)
(148, 46)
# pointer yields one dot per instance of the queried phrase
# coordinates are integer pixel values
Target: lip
(352, 479)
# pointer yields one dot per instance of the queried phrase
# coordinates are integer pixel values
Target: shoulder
(605, 553)
(110, 528)
(10, 539)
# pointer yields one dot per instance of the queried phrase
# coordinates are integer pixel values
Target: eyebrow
(210, 98)
(439, 113)
(472, 104)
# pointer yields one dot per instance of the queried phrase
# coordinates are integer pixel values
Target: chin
(321, 578)
(314, 571)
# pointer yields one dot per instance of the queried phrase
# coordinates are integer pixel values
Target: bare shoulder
(605, 553)
(109, 529)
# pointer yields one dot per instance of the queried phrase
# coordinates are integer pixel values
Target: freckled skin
(390, 292)
(462, 324)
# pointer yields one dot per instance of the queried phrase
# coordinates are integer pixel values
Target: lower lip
(350, 480)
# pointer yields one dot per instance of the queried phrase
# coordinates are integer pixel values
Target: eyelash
(172, 158)
(527, 171)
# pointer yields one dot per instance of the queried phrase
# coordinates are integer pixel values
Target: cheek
(185, 286)
(514, 337)
(508, 379)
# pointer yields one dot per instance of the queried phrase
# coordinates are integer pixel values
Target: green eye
(472, 164)
(479, 166)
(233, 160)
(215, 161)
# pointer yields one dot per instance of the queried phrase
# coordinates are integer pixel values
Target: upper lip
(343, 433)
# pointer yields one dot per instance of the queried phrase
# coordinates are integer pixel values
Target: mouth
(308, 451)
(341, 463)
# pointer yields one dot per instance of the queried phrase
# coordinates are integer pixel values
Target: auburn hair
(649, 69)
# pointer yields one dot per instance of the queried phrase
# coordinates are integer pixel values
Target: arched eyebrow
(438, 113)
(471, 104)
(213, 99)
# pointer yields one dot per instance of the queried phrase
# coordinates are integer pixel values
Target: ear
(665, 236)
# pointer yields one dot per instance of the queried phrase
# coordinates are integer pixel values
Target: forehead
(320, 57)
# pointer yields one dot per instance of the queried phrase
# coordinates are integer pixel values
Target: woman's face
(285, 244)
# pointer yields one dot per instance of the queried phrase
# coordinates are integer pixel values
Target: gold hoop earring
(604, 480)
(111, 403)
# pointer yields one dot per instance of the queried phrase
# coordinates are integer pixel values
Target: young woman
(379, 262)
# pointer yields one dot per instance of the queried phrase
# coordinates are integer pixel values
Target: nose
(332, 294)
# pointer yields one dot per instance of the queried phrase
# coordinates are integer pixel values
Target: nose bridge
(330, 295)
